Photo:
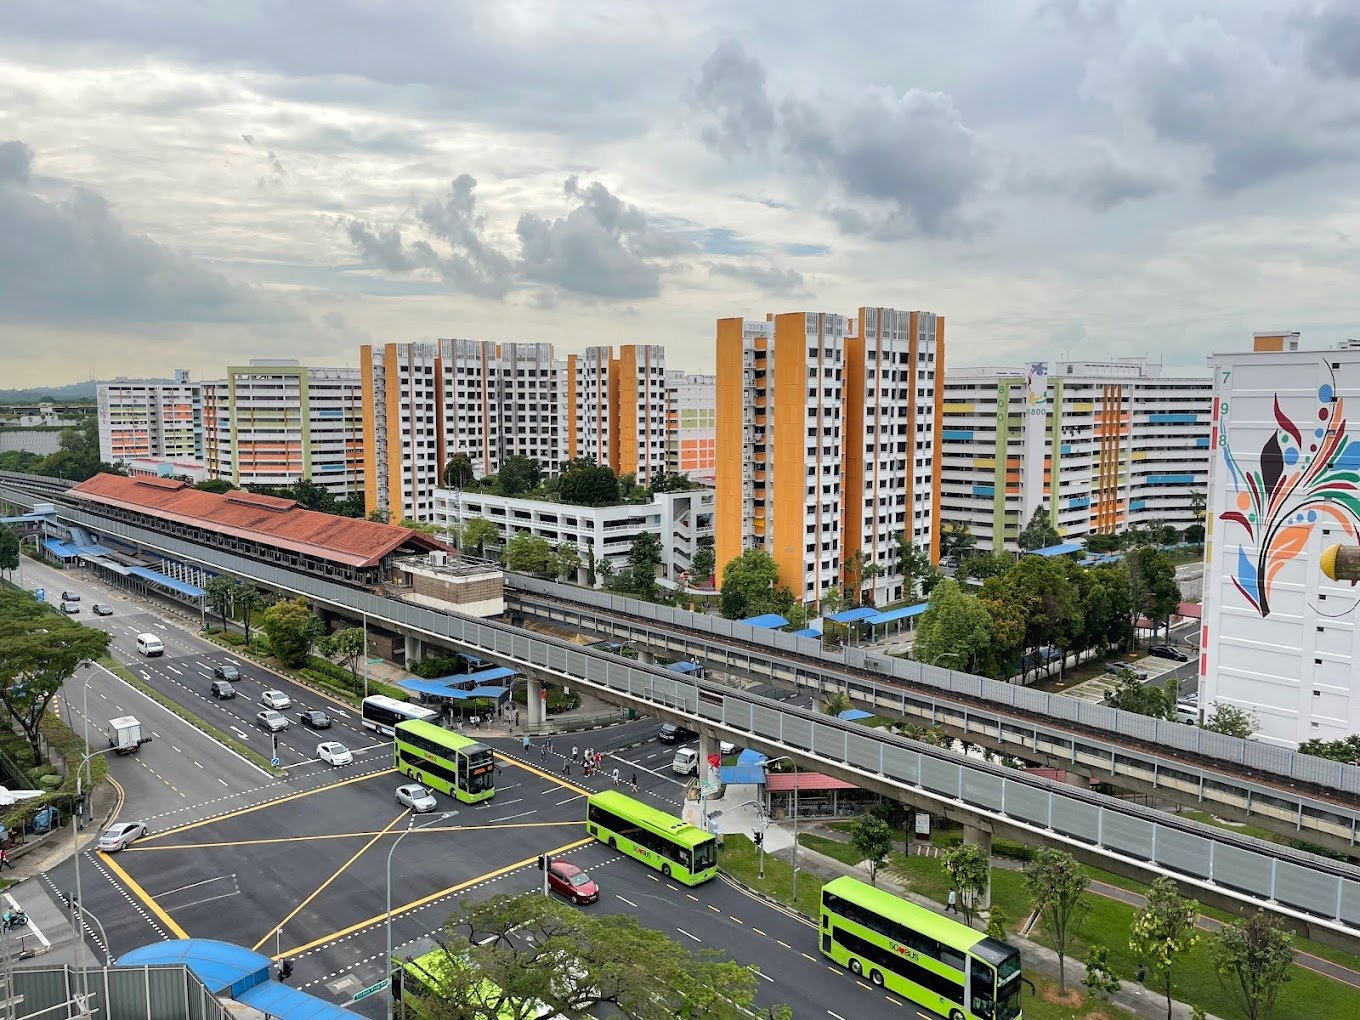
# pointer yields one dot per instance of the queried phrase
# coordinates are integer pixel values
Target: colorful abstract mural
(1308, 470)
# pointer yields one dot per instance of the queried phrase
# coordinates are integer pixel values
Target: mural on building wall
(1036, 384)
(1308, 470)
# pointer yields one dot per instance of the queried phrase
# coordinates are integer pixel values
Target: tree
(831, 602)
(313, 496)
(478, 531)
(913, 563)
(527, 553)
(605, 568)
(970, 869)
(566, 560)
(748, 584)
(1152, 584)
(1195, 534)
(1132, 695)
(518, 475)
(872, 840)
(666, 482)
(1253, 959)
(219, 486)
(1232, 721)
(1197, 507)
(1056, 884)
(852, 572)
(9, 549)
(981, 566)
(957, 541)
(701, 565)
(585, 483)
(1164, 930)
(220, 590)
(1101, 981)
(351, 505)
(1039, 533)
(955, 626)
(39, 651)
(998, 923)
(379, 516)
(292, 630)
(644, 556)
(458, 473)
(836, 702)
(424, 527)
(1346, 749)
(346, 646)
(504, 956)
(248, 598)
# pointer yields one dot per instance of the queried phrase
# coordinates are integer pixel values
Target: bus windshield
(705, 855)
(481, 771)
(1008, 1003)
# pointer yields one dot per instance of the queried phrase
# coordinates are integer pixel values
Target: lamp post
(75, 847)
(768, 763)
(945, 655)
(410, 828)
(85, 719)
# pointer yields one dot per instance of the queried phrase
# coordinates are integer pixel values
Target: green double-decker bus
(439, 977)
(671, 845)
(446, 761)
(931, 960)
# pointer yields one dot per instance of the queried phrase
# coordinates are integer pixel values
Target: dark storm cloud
(1333, 31)
(732, 86)
(767, 279)
(71, 260)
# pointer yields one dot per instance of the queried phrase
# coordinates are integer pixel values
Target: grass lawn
(1247, 830)
(741, 860)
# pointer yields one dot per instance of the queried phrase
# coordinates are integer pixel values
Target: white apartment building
(678, 519)
(158, 421)
(275, 421)
(617, 408)
(1101, 445)
(779, 446)
(691, 421)
(425, 401)
(589, 405)
(1279, 638)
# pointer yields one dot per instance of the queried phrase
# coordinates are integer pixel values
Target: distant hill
(58, 394)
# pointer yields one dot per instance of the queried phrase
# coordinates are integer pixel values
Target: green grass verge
(222, 738)
(740, 859)
(1206, 818)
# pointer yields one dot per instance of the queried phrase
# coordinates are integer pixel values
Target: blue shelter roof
(750, 756)
(441, 689)
(224, 968)
(893, 615)
(485, 676)
(807, 632)
(766, 621)
(279, 1000)
(742, 775)
(59, 547)
(853, 615)
(1065, 549)
(855, 714)
(684, 667)
(174, 584)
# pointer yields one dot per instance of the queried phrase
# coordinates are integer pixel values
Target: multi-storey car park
(1270, 785)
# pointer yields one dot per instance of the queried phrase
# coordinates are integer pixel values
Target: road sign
(274, 762)
(370, 990)
(40, 594)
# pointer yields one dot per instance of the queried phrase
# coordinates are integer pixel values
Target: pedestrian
(633, 784)
(550, 743)
(1141, 974)
(573, 752)
(599, 759)
(526, 743)
(616, 777)
(566, 766)
(542, 749)
(4, 859)
(475, 720)
(953, 903)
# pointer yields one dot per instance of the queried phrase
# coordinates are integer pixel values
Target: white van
(149, 644)
(685, 762)
(1187, 712)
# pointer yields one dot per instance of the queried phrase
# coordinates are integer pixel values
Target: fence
(118, 993)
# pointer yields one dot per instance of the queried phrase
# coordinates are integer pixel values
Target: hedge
(71, 749)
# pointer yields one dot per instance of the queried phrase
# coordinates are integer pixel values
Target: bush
(438, 665)
(558, 700)
(233, 639)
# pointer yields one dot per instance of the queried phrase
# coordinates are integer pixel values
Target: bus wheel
(876, 976)
(612, 844)
(856, 968)
(956, 1014)
(666, 870)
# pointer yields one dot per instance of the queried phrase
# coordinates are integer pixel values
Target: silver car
(276, 699)
(271, 721)
(416, 797)
(118, 836)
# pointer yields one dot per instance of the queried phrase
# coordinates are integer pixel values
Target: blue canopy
(684, 667)
(855, 715)
(226, 969)
(892, 615)
(742, 775)
(807, 632)
(440, 689)
(488, 675)
(173, 583)
(853, 615)
(766, 621)
(1066, 549)
(750, 756)
(275, 999)
(60, 548)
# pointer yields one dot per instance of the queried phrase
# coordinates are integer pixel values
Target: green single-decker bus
(931, 960)
(444, 978)
(671, 845)
(446, 761)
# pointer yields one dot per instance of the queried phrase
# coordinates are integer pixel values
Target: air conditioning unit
(439, 559)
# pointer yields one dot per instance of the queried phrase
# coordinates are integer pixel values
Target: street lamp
(75, 847)
(410, 828)
(85, 725)
(768, 763)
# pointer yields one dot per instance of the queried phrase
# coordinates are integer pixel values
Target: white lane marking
(688, 935)
(754, 970)
(145, 674)
(31, 926)
(161, 626)
(223, 782)
(199, 764)
(243, 734)
(625, 900)
(172, 669)
(176, 748)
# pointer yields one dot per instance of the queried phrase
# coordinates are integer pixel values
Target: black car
(226, 671)
(71, 608)
(1168, 652)
(222, 690)
(315, 720)
(99, 609)
(673, 734)
(70, 596)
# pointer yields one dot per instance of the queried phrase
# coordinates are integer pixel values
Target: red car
(573, 883)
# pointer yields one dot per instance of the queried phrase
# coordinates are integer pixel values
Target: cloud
(1100, 178)
(69, 259)
(897, 163)
(807, 250)
(767, 279)
(1333, 31)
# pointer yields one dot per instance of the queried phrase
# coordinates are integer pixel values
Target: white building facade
(1279, 638)
(691, 422)
(159, 421)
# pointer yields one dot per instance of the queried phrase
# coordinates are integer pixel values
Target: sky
(195, 184)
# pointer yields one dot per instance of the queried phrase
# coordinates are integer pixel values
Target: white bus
(382, 713)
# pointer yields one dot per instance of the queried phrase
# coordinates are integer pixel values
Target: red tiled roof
(1190, 610)
(282, 523)
(783, 782)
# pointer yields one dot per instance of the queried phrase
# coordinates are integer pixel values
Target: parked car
(568, 880)
(673, 734)
(116, 837)
(416, 797)
(276, 699)
(1168, 652)
(315, 719)
(70, 608)
(221, 690)
(70, 596)
(226, 671)
(334, 753)
(99, 609)
(271, 720)
(1119, 668)
(726, 747)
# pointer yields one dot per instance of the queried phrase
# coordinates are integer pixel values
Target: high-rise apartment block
(1101, 446)
(616, 408)
(691, 420)
(274, 421)
(151, 421)
(589, 405)
(1278, 636)
(424, 402)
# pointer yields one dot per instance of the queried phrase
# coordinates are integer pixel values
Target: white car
(416, 797)
(726, 747)
(116, 837)
(333, 753)
(276, 700)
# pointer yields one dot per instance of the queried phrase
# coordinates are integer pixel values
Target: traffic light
(542, 862)
(396, 985)
(759, 839)
(285, 969)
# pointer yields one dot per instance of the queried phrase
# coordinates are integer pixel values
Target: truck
(125, 734)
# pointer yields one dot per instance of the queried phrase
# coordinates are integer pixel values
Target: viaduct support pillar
(535, 707)
(415, 650)
(708, 745)
(983, 838)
